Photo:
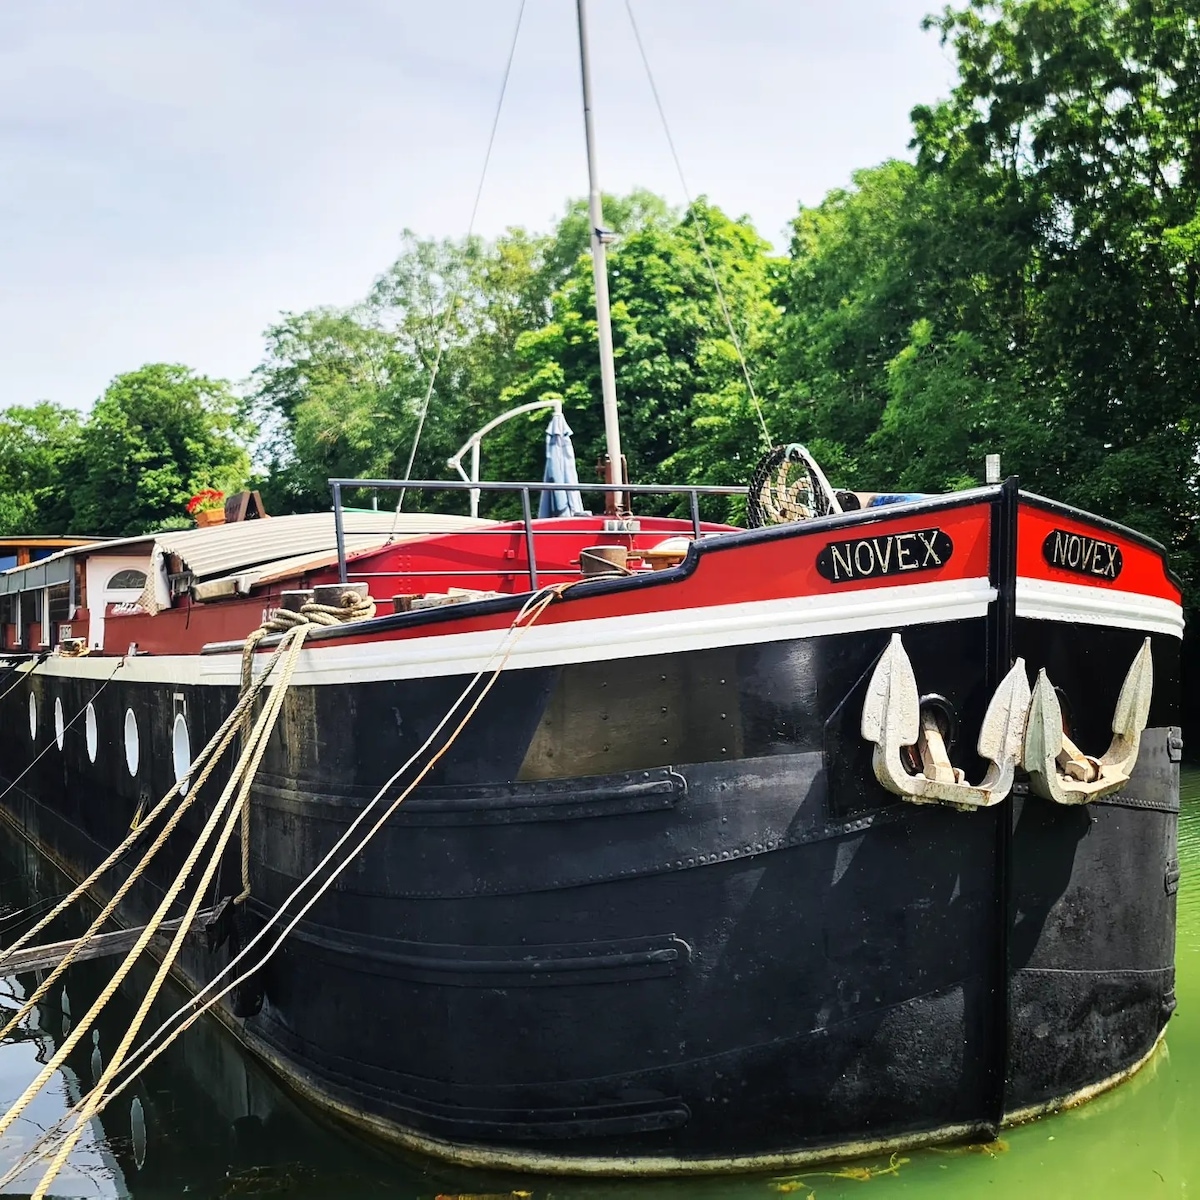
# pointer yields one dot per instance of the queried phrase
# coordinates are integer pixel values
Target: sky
(173, 174)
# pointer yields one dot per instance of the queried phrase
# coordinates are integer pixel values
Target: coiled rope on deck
(96, 1100)
(352, 605)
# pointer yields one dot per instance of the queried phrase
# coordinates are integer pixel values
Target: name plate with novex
(885, 554)
(1093, 557)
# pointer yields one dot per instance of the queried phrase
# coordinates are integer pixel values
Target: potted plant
(207, 506)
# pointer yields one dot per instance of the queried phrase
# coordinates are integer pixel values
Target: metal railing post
(527, 514)
(694, 502)
(475, 477)
(339, 532)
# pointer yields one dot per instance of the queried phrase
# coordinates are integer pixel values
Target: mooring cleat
(892, 719)
(1057, 769)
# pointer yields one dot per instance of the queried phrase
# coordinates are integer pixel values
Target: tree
(154, 438)
(686, 412)
(1030, 285)
(333, 399)
(341, 392)
(36, 444)
(901, 351)
(1083, 114)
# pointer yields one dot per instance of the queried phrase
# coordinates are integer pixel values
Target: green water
(217, 1126)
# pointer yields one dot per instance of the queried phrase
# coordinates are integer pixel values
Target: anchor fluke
(1003, 730)
(892, 719)
(892, 712)
(1133, 704)
(1058, 771)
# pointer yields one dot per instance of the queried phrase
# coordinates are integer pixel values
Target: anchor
(893, 718)
(1058, 770)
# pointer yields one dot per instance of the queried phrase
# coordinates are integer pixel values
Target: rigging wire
(737, 345)
(450, 307)
(14, 916)
(16, 667)
(54, 741)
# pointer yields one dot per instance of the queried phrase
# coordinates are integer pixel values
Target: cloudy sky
(173, 174)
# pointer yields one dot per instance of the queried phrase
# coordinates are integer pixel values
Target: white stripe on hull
(1042, 600)
(602, 639)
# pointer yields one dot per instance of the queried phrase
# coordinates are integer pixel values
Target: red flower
(206, 500)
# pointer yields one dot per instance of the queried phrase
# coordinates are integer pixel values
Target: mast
(608, 379)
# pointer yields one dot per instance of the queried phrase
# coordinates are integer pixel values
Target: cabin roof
(239, 547)
(226, 549)
(299, 564)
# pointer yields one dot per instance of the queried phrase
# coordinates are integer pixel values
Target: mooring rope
(226, 735)
(352, 605)
(96, 1100)
(240, 780)
(523, 621)
(296, 639)
(216, 747)
(262, 733)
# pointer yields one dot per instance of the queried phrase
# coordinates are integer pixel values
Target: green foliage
(334, 399)
(154, 438)
(1029, 287)
(685, 410)
(36, 446)
(341, 392)
(1083, 113)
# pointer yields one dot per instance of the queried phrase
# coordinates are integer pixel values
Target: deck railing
(526, 491)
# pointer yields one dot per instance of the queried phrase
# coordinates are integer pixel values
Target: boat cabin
(34, 593)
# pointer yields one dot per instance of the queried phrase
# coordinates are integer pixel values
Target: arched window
(127, 580)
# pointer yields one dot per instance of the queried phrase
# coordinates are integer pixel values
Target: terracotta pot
(214, 516)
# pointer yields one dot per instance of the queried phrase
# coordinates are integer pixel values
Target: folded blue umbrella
(564, 500)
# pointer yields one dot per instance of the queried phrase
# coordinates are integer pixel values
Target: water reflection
(207, 1121)
(204, 1120)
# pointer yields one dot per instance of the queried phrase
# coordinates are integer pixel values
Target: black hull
(657, 915)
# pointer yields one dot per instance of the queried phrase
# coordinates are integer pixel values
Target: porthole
(90, 733)
(181, 751)
(32, 717)
(132, 746)
(60, 728)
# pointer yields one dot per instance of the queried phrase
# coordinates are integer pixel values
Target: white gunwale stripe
(635, 635)
(632, 636)
(1077, 603)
